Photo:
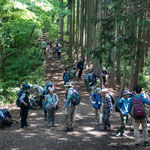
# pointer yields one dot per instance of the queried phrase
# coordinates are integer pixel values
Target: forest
(108, 33)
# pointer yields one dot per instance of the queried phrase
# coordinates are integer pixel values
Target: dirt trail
(86, 135)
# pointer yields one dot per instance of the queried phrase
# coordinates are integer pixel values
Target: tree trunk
(112, 70)
(77, 30)
(73, 27)
(123, 83)
(118, 67)
(70, 31)
(62, 26)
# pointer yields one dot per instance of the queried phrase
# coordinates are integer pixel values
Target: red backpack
(138, 109)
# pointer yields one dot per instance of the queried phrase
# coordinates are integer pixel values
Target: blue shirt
(144, 100)
(97, 98)
(123, 104)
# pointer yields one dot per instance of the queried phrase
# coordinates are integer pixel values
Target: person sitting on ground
(104, 73)
(38, 90)
(51, 101)
(25, 105)
(66, 76)
(95, 99)
(107, 108)
(73, 73)
(122, 105)
(137, 106)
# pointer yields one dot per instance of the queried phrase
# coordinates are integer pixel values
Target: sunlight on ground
(83, 104)
(75, 133)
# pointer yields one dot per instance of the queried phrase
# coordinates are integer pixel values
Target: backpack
(72, 74)
(75, 97)
(112, 99)
(5, 117)
(66, 76)
(2, 116)
(138, 109)
(18, 103)
(96, 105)
(116, 107)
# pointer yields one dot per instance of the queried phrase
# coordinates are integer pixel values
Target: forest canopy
(110, 33)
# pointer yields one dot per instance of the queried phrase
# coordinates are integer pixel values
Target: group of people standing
(48, 46)
(132, 103)
(102, 103)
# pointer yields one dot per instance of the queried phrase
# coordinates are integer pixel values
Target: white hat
(104, 91)
(104, 69)
(68, 84)
(35, 86)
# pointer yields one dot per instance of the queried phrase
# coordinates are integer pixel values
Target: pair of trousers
(24, 115)
(106, 116)
(70, 117)
(137, 123)
(97, 111)
(124, 120)
(51, 116)
(80, 73)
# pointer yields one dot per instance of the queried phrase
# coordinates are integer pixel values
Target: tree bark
(62, 25)
(123, 83)
(70, 31)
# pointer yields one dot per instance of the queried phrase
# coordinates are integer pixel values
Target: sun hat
(35, 86)
(126, 92)
(98, 89)
(104, 91)
(68, 84)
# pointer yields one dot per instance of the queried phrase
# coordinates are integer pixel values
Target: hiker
(122, 105)
(69, 105)
(72, 73)
(107, 109)
(95, 99)
(45, 92)
(137, 105)
(50, 49)
(25, 105)
(58, 41)
(44, 45)
(88, 79)
(38, 90)
(51, 101)
(104, 73)
(59, 51)
(66, 76)
(80, 67)
(93, 82)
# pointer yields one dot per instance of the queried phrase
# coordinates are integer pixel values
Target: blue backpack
(66, 76)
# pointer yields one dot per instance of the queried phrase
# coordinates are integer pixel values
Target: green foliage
(25, 67)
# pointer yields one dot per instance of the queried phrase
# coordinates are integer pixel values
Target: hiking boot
(96, 123)
(103, 128)
(67, 130)
(146, 143)
(137, 145)
(53, 125)
(24, 127)
(116, 134)
(123, 134)
(71, 129)
(109, 128)
(49, 125)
